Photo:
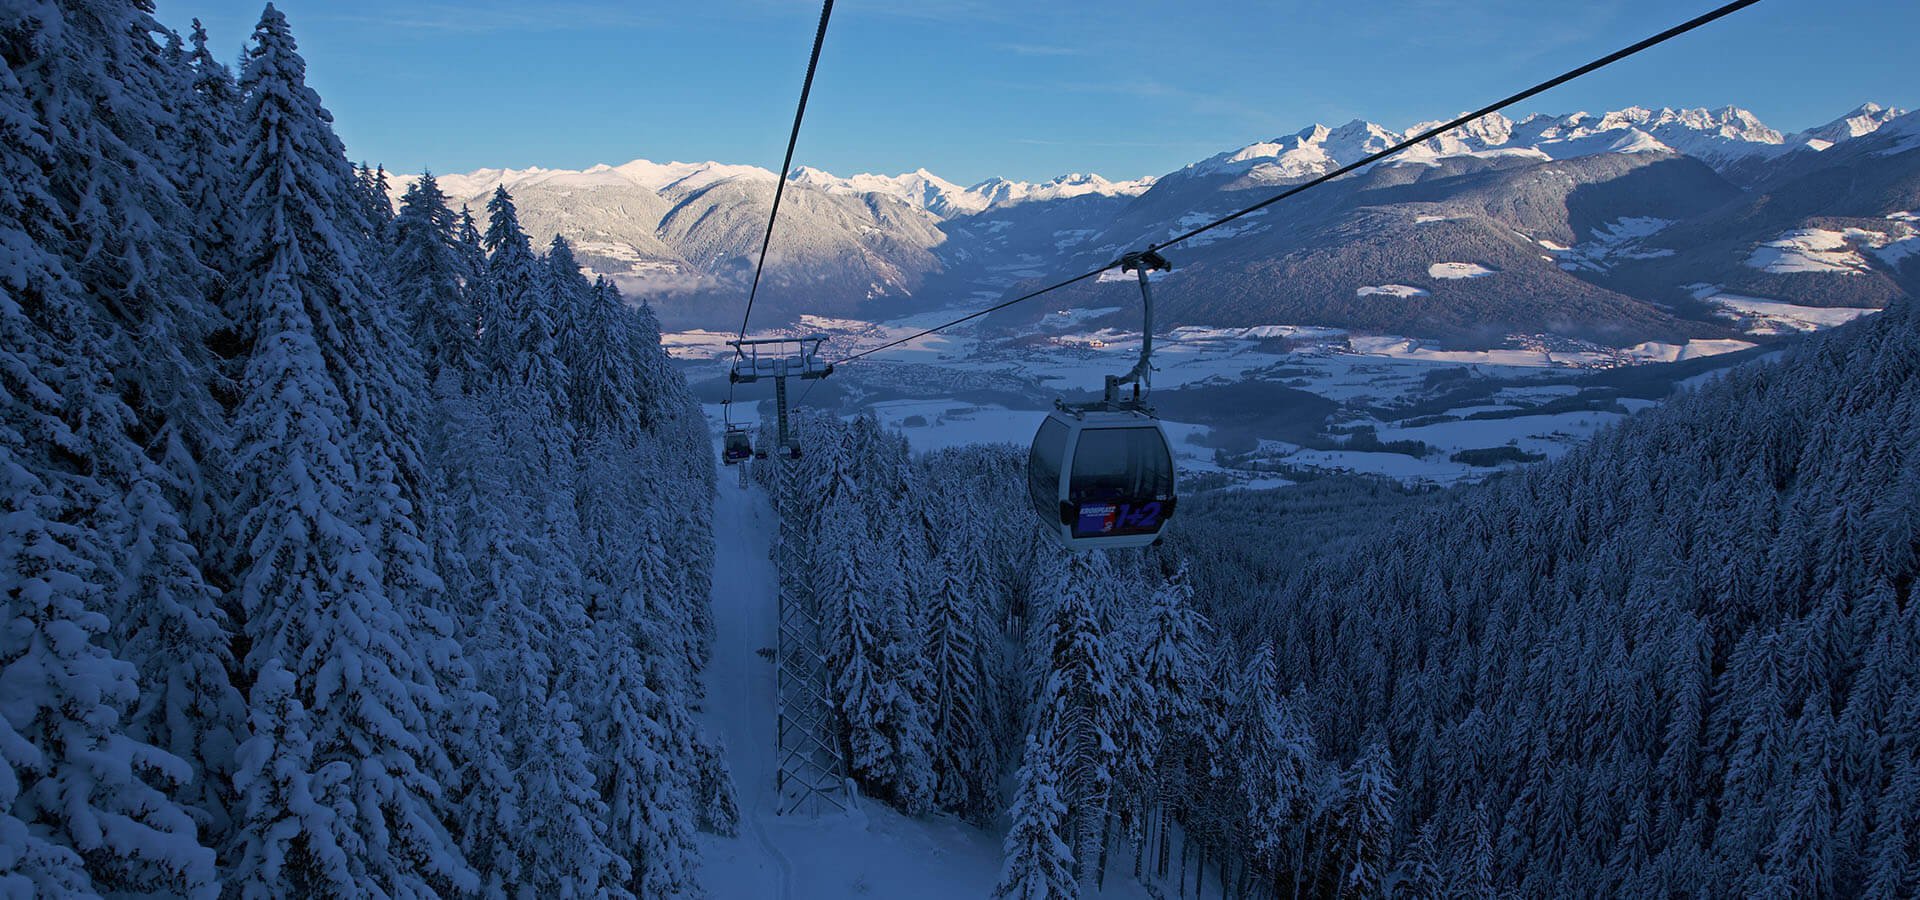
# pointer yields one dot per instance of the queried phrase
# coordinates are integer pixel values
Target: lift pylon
(810, 776)
(810, 766)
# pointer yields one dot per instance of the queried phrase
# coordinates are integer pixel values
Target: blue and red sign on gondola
(1118, 518)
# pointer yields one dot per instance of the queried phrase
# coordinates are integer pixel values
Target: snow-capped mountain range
(920, 188)
(943, 198)
(686, 233)
(1717, 137)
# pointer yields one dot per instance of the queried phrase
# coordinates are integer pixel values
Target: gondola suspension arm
(1142, 372)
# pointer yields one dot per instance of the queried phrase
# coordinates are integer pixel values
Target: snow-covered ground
(1904, 242)
(1655, 351)
(1408, 348)
(1619, 239)
(1548, 434)
(939, 424)
(1816, 250)
(1458, 270)
(1402, 291)
(1076, 359)
(1757, 316)
(870, 852)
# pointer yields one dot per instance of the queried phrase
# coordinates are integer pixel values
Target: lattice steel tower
(810, 774)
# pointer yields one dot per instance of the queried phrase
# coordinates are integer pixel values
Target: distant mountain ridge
(686, 234)
(1716, 137)
(947, 200)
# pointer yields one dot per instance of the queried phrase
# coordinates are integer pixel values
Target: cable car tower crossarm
(803, 362)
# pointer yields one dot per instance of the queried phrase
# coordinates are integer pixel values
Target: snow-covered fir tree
(957, 640)
(427, 278)
(569, 293)
(316, 492)
(206, 161)
(875, 688)
(519, 347)
(607, 386)
(1039, 862)
(1079, 698)
(96, 561)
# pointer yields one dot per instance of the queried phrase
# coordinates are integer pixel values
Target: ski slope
(872, 851)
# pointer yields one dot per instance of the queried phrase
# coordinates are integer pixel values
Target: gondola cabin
(1101, 478)
(735, 447)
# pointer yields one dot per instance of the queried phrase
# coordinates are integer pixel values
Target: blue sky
(1028, 90)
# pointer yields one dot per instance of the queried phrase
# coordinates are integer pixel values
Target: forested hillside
(345, 553)
(1683, 660)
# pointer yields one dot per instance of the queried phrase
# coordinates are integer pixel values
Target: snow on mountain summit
(1077, 184)
(945, 199)
(1717, 137)
(1720, 137)
(1305, 153)
(1714, 136)
(1488, 132)
(919, 188)
(681, 228)
(686, 176)
(653, 176)
(1862, 121)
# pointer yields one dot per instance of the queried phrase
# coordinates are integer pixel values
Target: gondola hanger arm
(1140, 263)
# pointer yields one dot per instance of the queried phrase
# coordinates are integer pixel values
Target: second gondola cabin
(735, 447)
(1101, 478)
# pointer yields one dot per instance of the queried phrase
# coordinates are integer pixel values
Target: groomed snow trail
(740, 688)
(873, 852)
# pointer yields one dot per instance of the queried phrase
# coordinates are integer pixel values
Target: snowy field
(1458, 270)
(1402, 291)
(939, 424)
(1549, 435)
(1757, 316)
(1617, 240)
(1816, 250)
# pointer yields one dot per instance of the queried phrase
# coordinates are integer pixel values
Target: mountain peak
(1865, 119)
(926, 190)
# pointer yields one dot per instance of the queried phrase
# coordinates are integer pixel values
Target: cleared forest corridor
(739, 700)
